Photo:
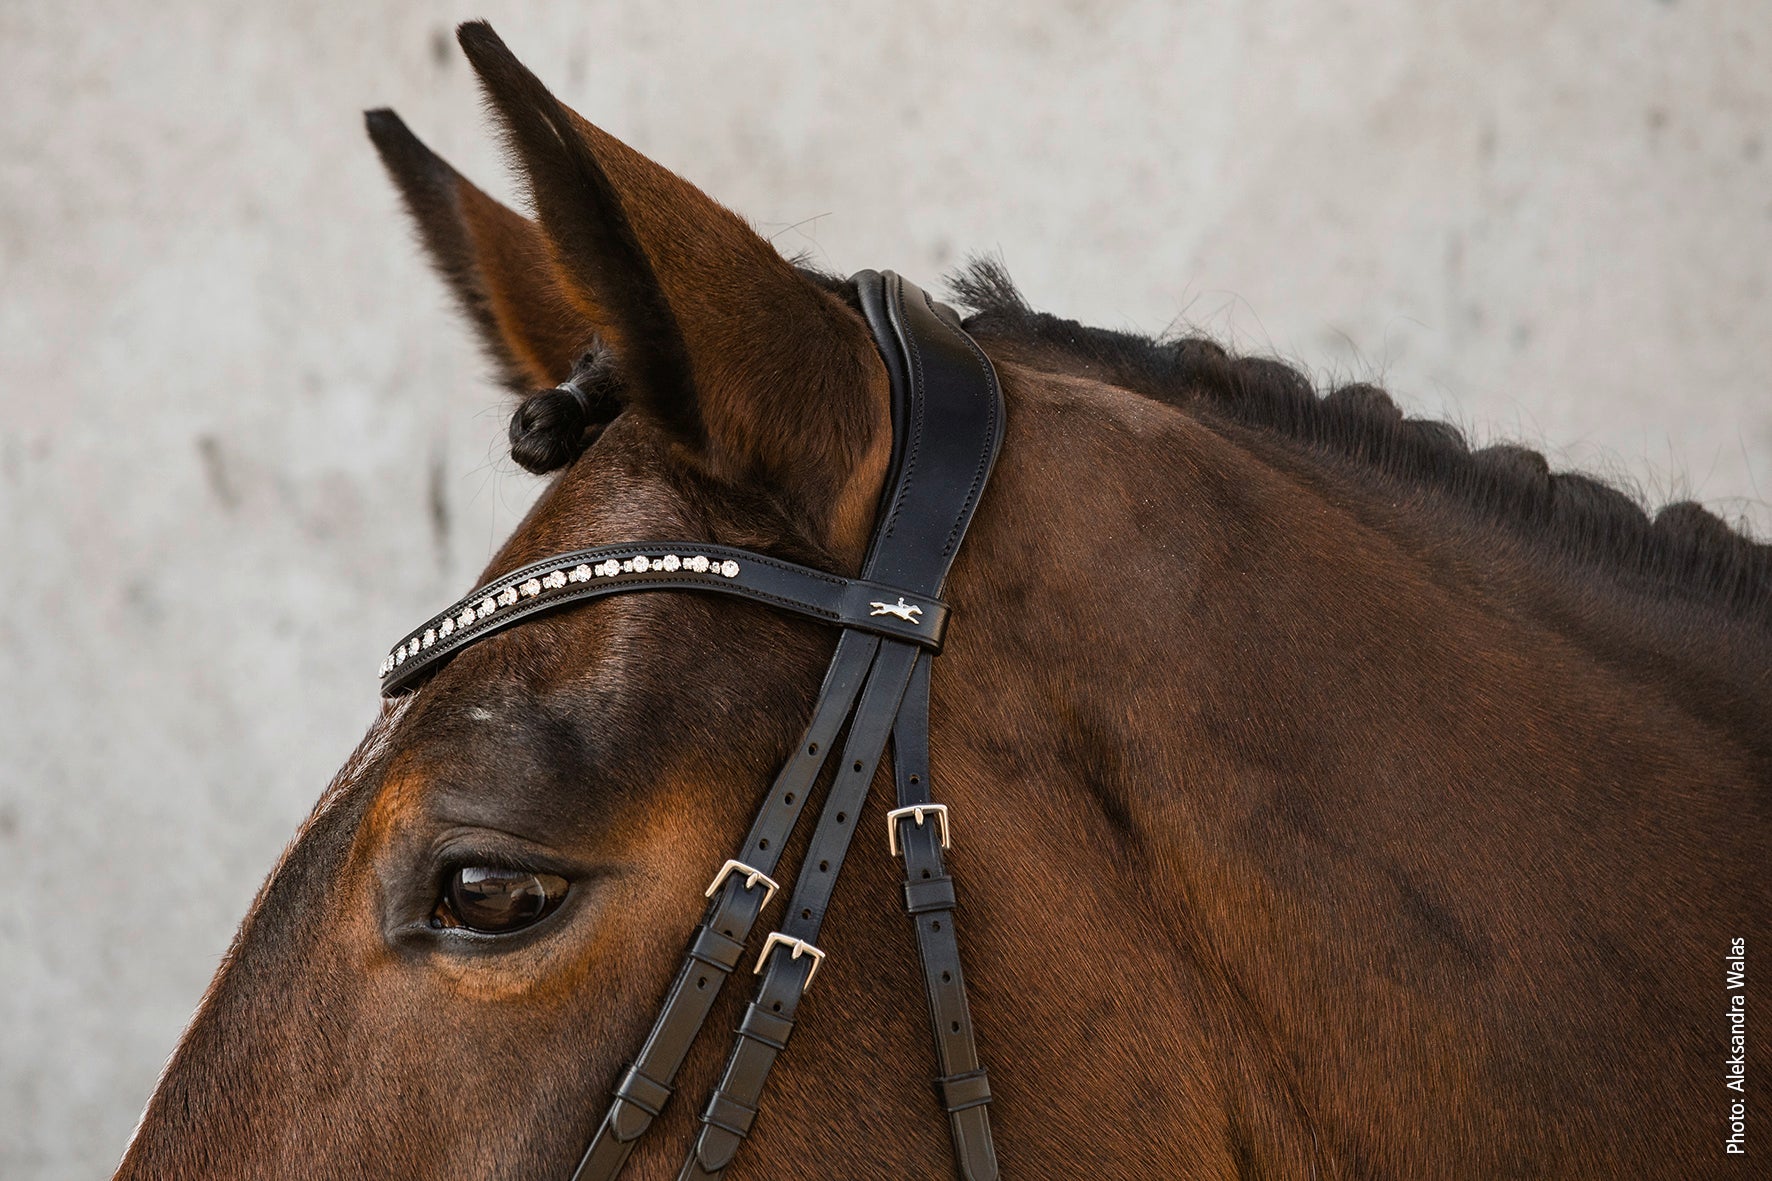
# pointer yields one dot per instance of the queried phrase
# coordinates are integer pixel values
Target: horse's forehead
(629, 484)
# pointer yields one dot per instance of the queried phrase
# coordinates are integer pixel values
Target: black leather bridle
(947, 421)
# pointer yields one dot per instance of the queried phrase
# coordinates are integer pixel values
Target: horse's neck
(1304, 785)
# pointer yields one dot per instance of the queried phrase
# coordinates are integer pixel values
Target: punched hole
(788, 799)
(763, 844)
(702, 983)
(946, 977)
(842, 816)
(813, 749)
(806, 914)
(955, 1027)
(824, 867)
(935, 926)
(925, 873)
(728, 934)
(858, 764)
(776, 1006)
(916, 779)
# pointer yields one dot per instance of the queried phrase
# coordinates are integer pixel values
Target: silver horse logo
(905, 611)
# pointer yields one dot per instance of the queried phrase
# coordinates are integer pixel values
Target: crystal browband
(592, 573)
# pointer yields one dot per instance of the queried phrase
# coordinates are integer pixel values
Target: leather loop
(648, 1094)
(716, 950)
(923, 895)
(728, 1114)
(961, 1091)
(762, 1026)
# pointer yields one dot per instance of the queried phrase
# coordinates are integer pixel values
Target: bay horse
(1330, 799)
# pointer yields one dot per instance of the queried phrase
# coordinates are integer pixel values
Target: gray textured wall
(243, 442)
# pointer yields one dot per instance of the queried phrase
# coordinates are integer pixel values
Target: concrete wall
(244, 443)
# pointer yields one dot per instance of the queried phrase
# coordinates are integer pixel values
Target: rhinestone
(628, 566)
(641, 565)
(729, 568)
(447, 627)
(671, 562)
(698, 564)
(400, 656)
(580, 574)
(507, 596)
(555, 579)
(610, 568)
(531, 588)
(430, 636)
(466, 617)
(486, 607)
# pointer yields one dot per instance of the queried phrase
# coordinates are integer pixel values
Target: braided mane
(1683, 549)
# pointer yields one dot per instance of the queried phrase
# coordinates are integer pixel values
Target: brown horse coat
(1328, 800)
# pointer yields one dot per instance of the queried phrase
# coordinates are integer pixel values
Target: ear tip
(392, 138)
(383, 124)
(479, 42)
(407, 158)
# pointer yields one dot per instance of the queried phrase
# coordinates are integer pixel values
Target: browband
(947, 416)
(661, 565)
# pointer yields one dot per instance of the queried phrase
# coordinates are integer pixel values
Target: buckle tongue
(751, 877)
(917, 812)
(800, 946)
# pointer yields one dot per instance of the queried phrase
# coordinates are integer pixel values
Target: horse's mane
(1682, 550)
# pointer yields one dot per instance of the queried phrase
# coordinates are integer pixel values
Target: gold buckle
(916, 811)
(751, 878)
(800, 946)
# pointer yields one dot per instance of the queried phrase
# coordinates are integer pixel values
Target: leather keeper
(960, 1091)
(642, 1090)
(728, 1114)
(922, 895)
(716, 950)
(760, 1025)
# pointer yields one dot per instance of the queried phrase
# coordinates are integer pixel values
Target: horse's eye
(496, 901)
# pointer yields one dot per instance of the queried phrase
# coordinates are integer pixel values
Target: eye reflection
(496, 901)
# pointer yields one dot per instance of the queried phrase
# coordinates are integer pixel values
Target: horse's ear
(495, 261)
(760, 370)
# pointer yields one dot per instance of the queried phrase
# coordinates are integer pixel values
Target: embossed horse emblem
(905, 611)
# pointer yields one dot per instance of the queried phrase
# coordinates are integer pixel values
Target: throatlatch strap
(920, 830)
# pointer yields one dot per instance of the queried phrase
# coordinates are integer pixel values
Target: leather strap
(785, 973)
(929, 900)
(729, 917)
(857, 603)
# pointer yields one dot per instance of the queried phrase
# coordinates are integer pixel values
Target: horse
(1329, 799)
